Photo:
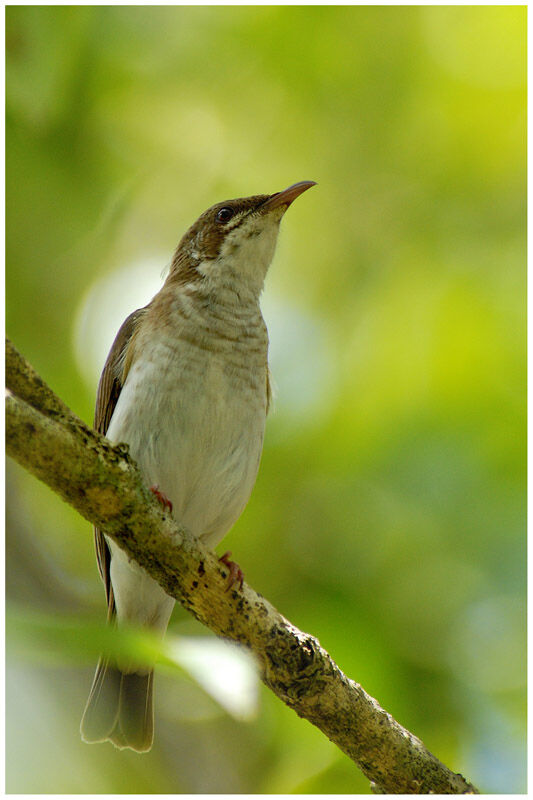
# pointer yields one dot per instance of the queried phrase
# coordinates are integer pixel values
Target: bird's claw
(235, 572)
(163, 499)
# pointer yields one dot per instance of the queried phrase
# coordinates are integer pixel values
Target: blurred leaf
(58, 639)
(223, 669)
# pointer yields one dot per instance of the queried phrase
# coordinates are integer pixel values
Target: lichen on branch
(104, 484)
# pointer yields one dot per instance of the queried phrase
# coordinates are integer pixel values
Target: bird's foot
(235, 572)
(163, 499)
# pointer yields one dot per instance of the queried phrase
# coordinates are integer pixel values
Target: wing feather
(109, 388)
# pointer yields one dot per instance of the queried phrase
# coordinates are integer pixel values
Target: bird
(187, 386)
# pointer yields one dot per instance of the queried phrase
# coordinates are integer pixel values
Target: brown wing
(109, 388)
(269, 391)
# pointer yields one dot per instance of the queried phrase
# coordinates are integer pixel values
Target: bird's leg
(235, 572)
(163, 499)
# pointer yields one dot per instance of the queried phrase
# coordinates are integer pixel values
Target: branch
(103, 483)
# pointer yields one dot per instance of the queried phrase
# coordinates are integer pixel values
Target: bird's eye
(225, 214)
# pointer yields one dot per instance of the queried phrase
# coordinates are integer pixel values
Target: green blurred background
(388, 518)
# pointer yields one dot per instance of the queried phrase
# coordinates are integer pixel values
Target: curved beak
(286, 197)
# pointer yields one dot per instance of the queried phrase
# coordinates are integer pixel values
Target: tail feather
(136, 713)
(120, 709)
(101, 712)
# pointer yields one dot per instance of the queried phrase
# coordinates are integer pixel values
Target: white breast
(194, 417)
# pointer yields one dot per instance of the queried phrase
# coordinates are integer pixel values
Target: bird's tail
(120, 708)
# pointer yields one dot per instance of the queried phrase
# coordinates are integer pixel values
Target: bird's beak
(286, 197)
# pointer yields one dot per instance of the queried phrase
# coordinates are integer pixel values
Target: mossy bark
(103, 483)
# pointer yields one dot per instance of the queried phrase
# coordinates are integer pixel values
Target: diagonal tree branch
(103, 483)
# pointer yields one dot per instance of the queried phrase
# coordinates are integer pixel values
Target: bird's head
(233, 242)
